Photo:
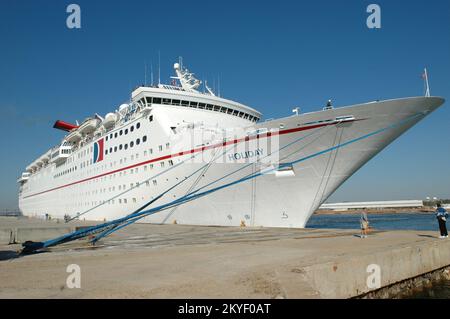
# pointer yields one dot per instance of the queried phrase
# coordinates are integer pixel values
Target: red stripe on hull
(201, 149)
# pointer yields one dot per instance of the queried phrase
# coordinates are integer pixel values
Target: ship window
(144, 139)
(121, 132)
(150, 118)
(229, 111)
(126, 131)
(126, 146)
(241, 114)
(162, 164)
(131, 128)
(115, 135)
(131, 144)
(157, 100)
(110, 136)
(175, 102)
(185, 103)
(151, 151)
(166, 101)
(149, 99)
(107, 138)
(209, 107)
(167, 145)
(193, 104)
(138, 125)
(201, 105)
(138, 141)
(115, 148)
(223, 110)
(110, 149)
(216, 108)
(160, 147)
(154, 182)
(120, 147)
(170, 162)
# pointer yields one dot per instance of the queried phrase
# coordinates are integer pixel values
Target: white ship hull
(319, 151)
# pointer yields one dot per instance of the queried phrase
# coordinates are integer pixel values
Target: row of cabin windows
(125, 146)
(123, 187)
(135, 170)
(85, 152)
(199, 105)
(119, 187)
(123, 131)
(67, 171)
(120, 147)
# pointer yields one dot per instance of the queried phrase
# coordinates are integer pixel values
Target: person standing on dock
(364, 221)
(441, 215)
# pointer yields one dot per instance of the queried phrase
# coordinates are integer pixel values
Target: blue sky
(270, 55)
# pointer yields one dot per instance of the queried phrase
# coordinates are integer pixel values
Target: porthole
(131, 128)
(115, 135)
(144, 138)
(131, 144)
(126, 146)
(126, 131)
(138, 141)
(120, 132)
(138, 125)
(120, 147)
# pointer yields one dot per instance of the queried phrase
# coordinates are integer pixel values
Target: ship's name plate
(246, 154)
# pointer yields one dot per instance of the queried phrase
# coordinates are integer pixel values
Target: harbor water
(399, 221)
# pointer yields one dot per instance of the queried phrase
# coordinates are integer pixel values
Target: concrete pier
(176, 261)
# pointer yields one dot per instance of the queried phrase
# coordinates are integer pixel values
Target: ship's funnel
(64, 126)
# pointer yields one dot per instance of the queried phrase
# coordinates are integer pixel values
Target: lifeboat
(74, 136)
(110, 120)
(123, 108)
(24, 177)
(88, 126)
(45, 158)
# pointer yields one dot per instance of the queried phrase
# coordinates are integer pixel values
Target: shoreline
(424, 210)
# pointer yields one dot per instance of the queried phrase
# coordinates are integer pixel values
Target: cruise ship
(206, 160)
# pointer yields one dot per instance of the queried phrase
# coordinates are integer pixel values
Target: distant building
(373, 205)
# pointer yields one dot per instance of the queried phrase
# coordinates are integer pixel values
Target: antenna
(427, 86)
(218, 85)
(151, 72)
(145, 73)
(159, 67)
